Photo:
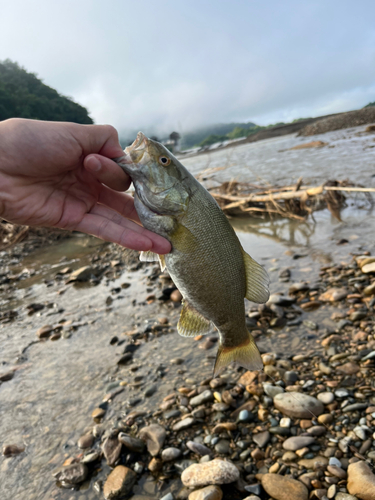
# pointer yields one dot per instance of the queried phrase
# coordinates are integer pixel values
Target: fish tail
(246, 354)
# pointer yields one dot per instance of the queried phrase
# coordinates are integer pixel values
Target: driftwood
(295, 201)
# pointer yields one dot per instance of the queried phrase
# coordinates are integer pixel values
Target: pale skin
(55, 174)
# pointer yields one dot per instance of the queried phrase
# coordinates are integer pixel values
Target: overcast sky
(185, 63)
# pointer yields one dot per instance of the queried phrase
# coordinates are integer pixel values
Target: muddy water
(46, 407)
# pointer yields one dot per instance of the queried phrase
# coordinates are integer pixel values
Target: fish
(207, 262)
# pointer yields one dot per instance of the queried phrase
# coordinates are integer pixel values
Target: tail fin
(245, 354)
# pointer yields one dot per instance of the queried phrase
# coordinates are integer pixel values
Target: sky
(165, 65)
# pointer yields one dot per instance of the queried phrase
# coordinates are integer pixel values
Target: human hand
(56, 174)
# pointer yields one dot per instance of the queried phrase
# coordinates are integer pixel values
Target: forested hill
(23, 95)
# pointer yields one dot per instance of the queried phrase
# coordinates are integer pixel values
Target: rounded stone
(120, 482)
(85, 441)
(211, 492)
(198, 448)
(361, 481)
(326, 397)
(154, 435)
(298, 405)
(295, 443)
(170, 454)
(283, 487)
(214, 472)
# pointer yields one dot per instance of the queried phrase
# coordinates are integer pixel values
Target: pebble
(131, 443)
(283, 487)
(98, 414)
(252, 497)
(85, 441)
(298, 405)
(5, 377)
(45, 331)
(261, 439)
(82, 274)
(211, 492)
(214, 472)
(326, 397)
(198, 448)
(119, 482)
(297, 442)
(168, 496)
(245, 416)
(176, 296)
(344, 496)
(336, 471)
(272, 390)
(170, 454)
(154, 435)
(202, 398)
(184, 424)
(333, 294)
(112, 449)
(72, 474)
(361, 481)
(151, 390)
(223, 447)
(12, 449)
(285, 422)
(313, 463)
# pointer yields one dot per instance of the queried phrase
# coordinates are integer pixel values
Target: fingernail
(93, 163)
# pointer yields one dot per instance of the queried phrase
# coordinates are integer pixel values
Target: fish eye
(164, 160)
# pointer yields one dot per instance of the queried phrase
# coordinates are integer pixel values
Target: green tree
(24, 95)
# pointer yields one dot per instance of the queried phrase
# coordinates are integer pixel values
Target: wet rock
(170, 454)
(184, 424)
(198, 448)
(202, 398)
(112, 449)
(301, 406)
(131, 443)
(214, 472)
(361, 481)
(12, 449)
(333, 295)
(120, 482)
(297, 442)
(44, 332)
(5, 377)
(98, 414)
(154, 435)
(85, 441)
(151, 390)
(284, 488)
(211, 492)
(261, 439)
(72, 474)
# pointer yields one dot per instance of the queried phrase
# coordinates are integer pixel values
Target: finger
(107, 172)
(107, 230)
(101, 139)
(121, 202)
(159, 244)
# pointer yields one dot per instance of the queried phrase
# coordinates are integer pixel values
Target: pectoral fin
(192, 323)
(149, 257)
(257, 280)
(153, 257)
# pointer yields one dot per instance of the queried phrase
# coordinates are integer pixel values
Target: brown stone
(349, 368)
(45, 331)
(211, 492)
(247, 378)
(361, 481)
(284, 487)
(176, 296)
(120, 482)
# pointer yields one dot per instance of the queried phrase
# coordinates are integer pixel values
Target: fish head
(160, 181)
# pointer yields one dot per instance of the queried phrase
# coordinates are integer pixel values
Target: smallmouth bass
(207, 262)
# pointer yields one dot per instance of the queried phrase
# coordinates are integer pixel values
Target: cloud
(178, 65)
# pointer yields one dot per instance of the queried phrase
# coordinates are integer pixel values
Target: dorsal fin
(257, 280)
(191, 322)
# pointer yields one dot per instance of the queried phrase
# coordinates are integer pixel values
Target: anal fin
(245, 354)
(191, 322)
(257, 280)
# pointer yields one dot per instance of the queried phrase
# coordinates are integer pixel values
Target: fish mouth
(133, 153)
